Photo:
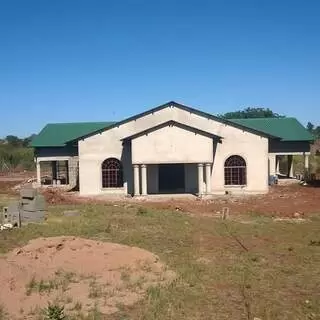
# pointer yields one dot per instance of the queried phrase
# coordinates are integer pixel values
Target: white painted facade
(145, 143)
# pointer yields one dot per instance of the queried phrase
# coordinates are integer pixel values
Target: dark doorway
(171, 178)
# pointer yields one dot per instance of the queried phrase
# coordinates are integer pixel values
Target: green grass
(226, 269)
(60, 281)
(3, 313)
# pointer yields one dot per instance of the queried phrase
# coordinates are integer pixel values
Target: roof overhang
(173, 104)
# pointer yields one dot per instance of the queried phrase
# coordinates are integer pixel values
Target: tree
(248, 113)
(13, 141)
(314, 130)
(310, 127)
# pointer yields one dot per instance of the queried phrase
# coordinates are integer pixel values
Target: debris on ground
(281, 201)
(77, 272)
(6, 226)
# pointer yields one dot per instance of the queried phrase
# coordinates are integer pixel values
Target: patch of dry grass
(276, 277)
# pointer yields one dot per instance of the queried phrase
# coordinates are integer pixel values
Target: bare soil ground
(235, 269)
(282, 200)
(79, 273)
(249, 265)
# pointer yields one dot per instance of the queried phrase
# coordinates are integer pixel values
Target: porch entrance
(171, 178)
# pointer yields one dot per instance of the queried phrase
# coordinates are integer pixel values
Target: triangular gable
(177, 124)
(173, 104)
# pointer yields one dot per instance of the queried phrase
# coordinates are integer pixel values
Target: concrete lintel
(289, 153)
(62, 158)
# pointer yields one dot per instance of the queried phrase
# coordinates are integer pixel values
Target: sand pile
(77, 273)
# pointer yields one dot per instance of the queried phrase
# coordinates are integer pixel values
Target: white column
(277, 165)
(38, 173)
(272, 164)
(143, 179)
(306, 167)
(208, 178)
(200, 179)
(290, 166)
(136, 178)
(306, 162)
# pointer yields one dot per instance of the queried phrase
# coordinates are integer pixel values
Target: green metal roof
(288, 129)
(58, 134)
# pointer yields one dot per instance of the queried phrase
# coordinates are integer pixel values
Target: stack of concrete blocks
(29, 208)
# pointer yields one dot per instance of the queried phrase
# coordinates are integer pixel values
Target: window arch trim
(235, 171)
(111, 173)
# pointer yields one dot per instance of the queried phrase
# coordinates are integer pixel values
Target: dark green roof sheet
(288, 129)
(58, 134)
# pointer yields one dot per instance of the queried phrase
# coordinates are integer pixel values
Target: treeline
(15, 154)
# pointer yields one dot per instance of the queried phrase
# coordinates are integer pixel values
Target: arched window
(235, 171)
(112, 176)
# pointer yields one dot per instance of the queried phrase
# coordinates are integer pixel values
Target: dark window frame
(235, 171)
(111, 173)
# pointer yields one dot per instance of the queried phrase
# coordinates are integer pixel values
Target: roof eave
(172, 122)
(183, 107)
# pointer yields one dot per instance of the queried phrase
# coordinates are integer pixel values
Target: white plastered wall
(253, 148)
(172, 144)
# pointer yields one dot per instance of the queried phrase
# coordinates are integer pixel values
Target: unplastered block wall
(95, 149)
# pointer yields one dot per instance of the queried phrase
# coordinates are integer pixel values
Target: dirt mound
(80, 274)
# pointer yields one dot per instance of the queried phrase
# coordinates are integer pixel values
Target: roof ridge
(269, 118)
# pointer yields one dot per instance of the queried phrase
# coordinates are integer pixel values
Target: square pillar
(277, 165)
(38, 173)
(136, 180)
(306, 166)
(54, 170)
(200, 179)
(143, 180)
(272, 164)
(208, 178)
(290, 166)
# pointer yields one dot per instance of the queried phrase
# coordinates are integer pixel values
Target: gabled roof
(288, 129)
(174, 104)
(59, 134)
(177, 124)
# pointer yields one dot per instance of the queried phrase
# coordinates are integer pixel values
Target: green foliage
(3, 313)
(14, 141)
(54, 312)
(314, 130)
(15, 157)
(251, 113)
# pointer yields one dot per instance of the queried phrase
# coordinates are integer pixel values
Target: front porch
(287, 171)
(172, 178)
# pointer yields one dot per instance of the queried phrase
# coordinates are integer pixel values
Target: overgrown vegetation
(277, 277)
(3, 313)
(54, 312)
(15, 154)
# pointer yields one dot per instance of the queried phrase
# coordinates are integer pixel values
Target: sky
(100, 60)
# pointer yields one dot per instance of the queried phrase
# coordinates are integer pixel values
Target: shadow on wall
(126, 160)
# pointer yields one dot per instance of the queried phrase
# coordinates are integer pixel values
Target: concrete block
(29, 193)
